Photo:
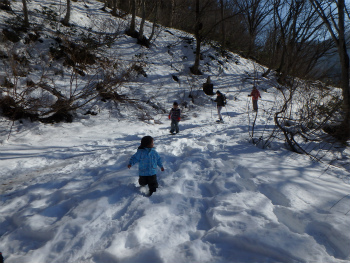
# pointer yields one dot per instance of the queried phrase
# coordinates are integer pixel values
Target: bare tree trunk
(142, 20)
(66, 19)
(198, 26)
(345, 73)
(223, 30)
(114, 7)
(25, 12)
(155, 21)
(336, 26)
(104, 6)
(133, 17)
(172, 13)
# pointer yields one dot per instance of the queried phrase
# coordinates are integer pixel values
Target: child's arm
(134, 159)
(160, 163)
(170, 113)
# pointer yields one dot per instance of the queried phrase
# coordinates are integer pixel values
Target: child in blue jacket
(148, 159)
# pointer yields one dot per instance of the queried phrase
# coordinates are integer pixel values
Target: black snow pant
(174, 126)
(151, 181)
(255, 105)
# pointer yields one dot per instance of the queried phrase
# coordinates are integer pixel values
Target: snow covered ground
(68, 196)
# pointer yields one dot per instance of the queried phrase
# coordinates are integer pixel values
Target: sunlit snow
(68, 196)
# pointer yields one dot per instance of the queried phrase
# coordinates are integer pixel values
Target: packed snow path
(220, 200)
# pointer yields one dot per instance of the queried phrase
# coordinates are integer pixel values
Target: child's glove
(249, 95)
(178, 119)
(169, 117)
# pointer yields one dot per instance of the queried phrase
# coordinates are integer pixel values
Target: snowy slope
(68, 196)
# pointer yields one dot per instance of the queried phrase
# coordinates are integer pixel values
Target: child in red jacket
(255, 94)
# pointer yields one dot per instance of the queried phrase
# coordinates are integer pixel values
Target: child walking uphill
(220, 103)
(174, 116)
(255, 94)
(148, 159)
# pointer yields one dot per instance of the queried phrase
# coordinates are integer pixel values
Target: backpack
(224, 98)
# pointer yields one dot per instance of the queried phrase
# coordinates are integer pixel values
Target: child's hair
(175, 103)
(146, 142)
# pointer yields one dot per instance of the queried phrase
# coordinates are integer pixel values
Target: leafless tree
(294, 44)
(197, 32)
(25, 12)
(172, 12)
(66, 19)
(143, 19)
(255, 13)
(132, 28)
(334, 14)
(223, 28)
(114, 7)
(155, 21)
